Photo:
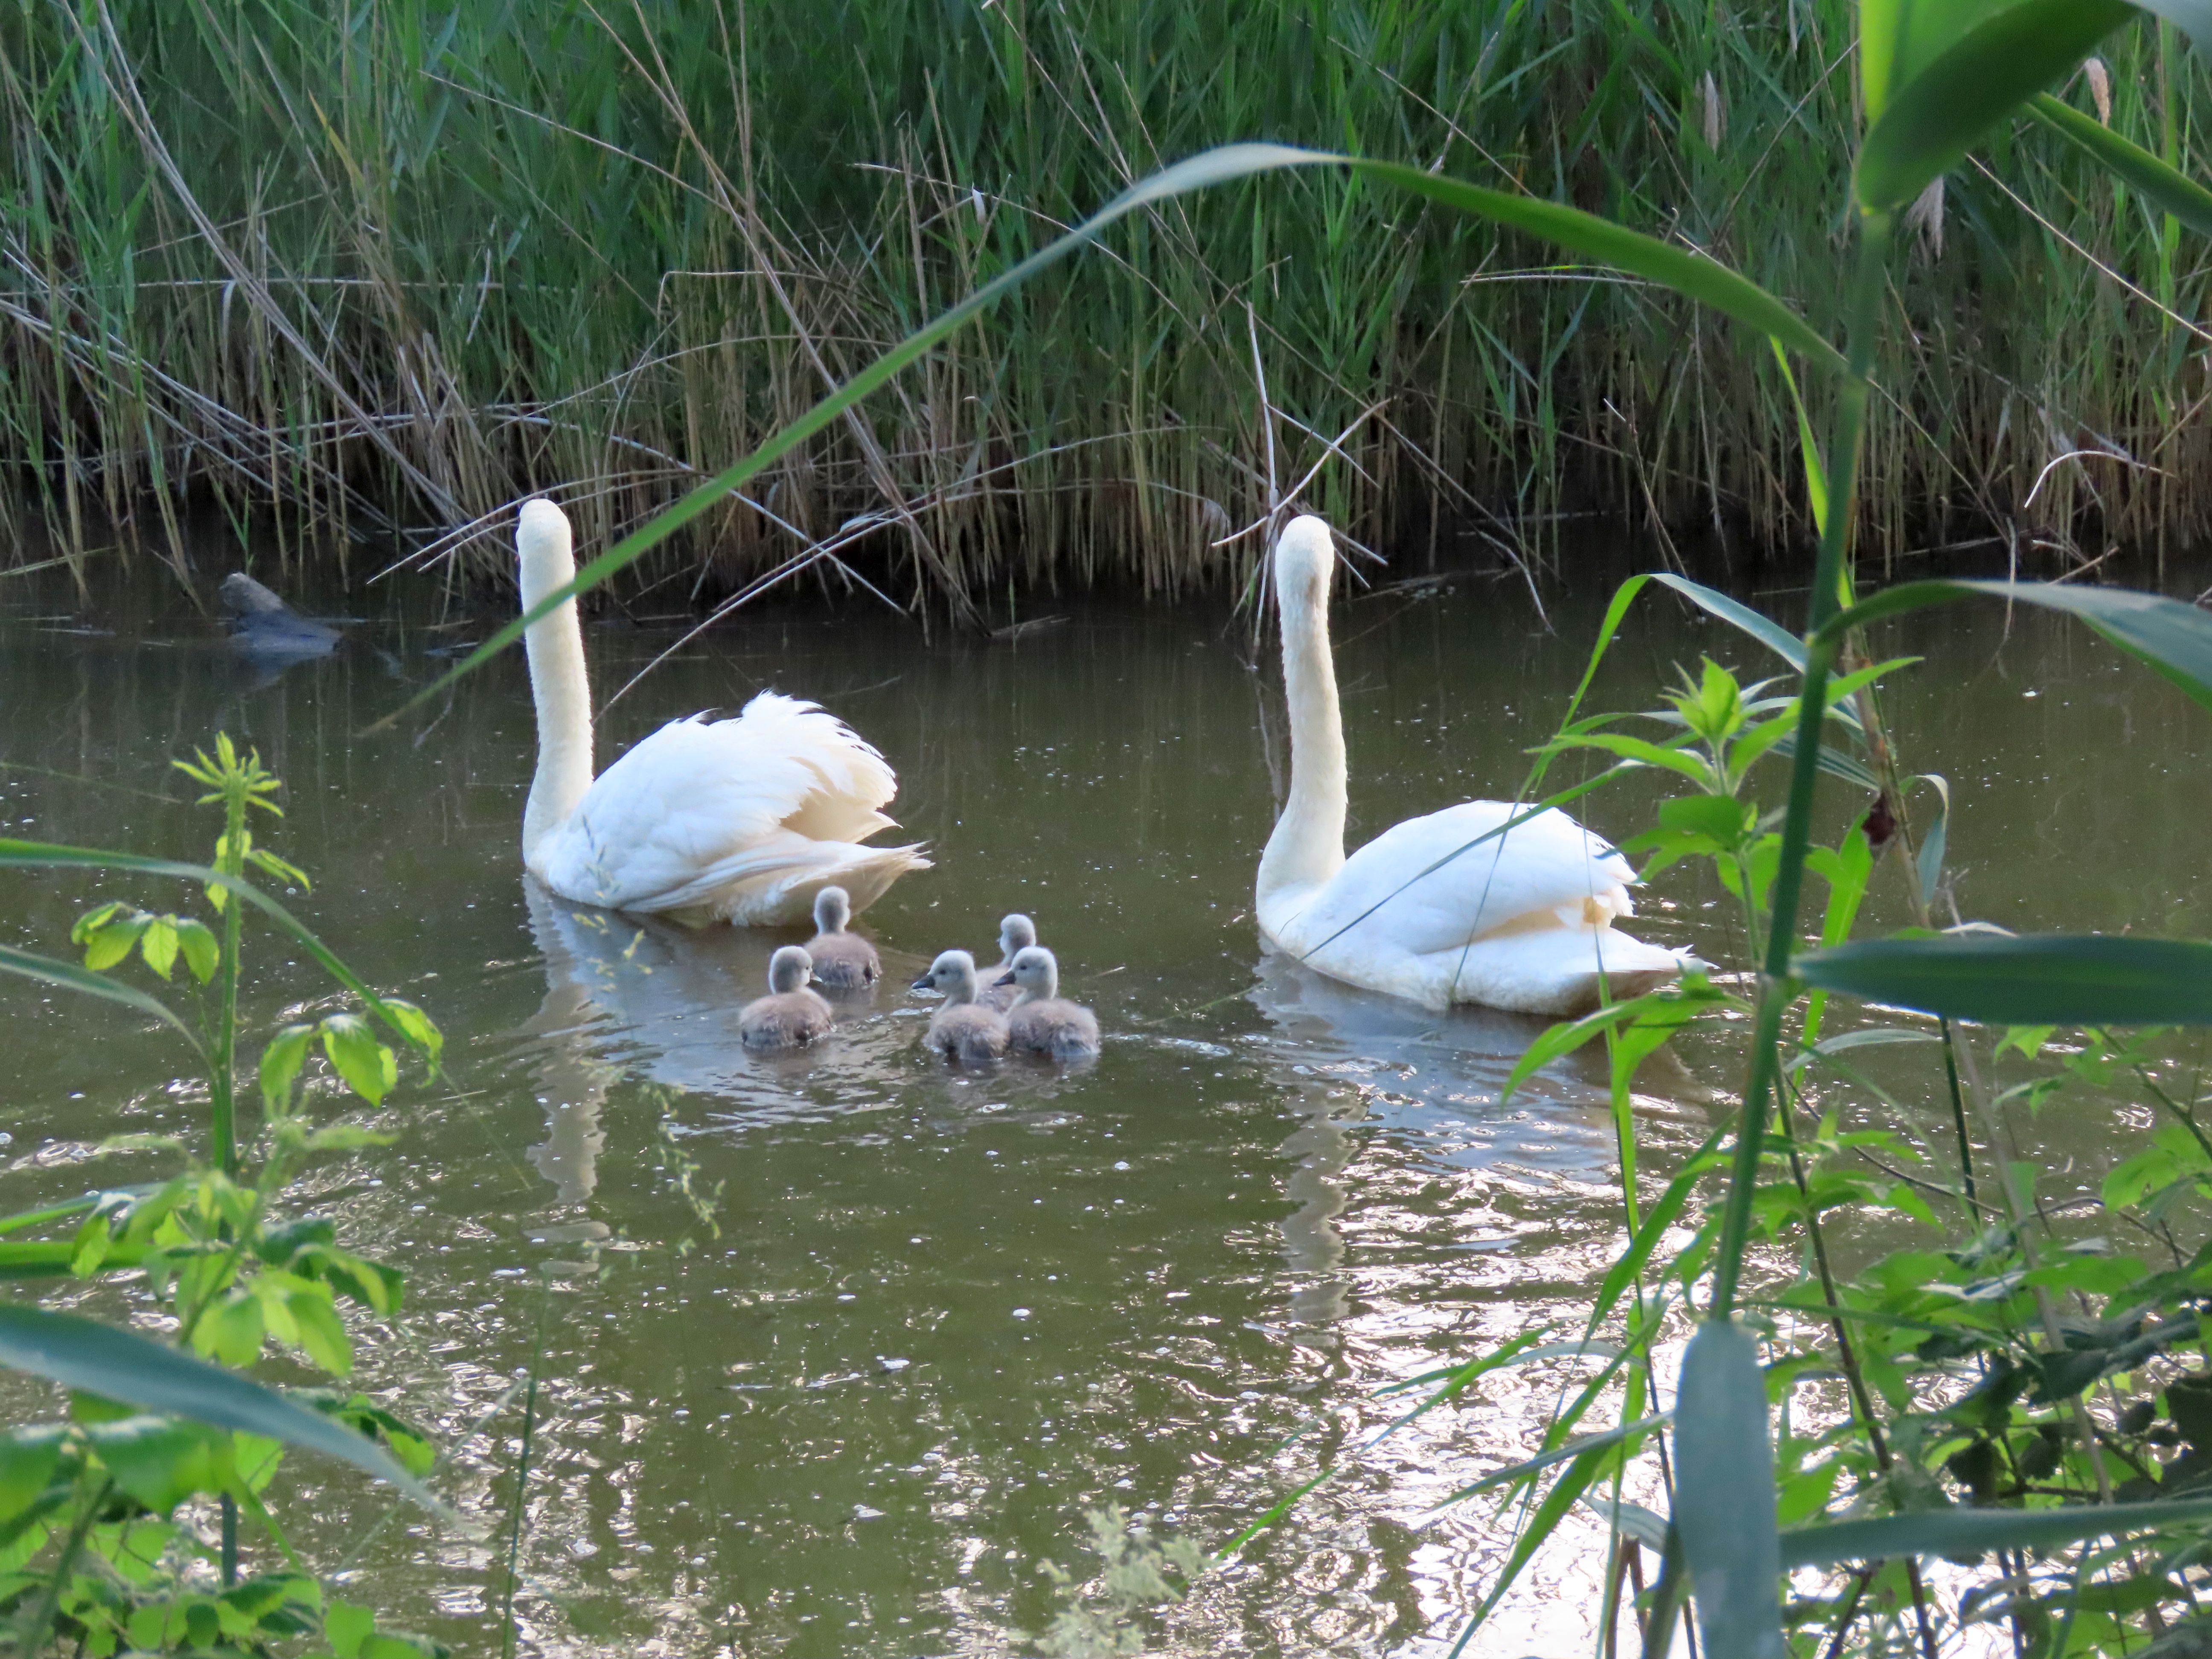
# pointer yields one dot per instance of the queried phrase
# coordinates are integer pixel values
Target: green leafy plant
(104, 1543)
(1964, 1427)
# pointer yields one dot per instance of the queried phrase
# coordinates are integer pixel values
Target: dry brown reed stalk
(380, 279)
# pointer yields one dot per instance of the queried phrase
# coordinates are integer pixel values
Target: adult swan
(1523, 922)
(740, 820)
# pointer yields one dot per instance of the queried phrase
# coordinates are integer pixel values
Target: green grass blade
(1725, 1494)
(46, 856)
(1692, 275)
(1975, 1532)
(2169, 189)
(1626, 1433)
(2174, 638)
(2061, 979)
(71, 977)
(44, 1259)
(1769, 633)
(1931, 121)
(119, 1364)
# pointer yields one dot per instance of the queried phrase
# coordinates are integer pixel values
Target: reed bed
(366, 274)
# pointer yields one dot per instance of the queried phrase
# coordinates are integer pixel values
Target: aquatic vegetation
(1932, 94)
(106, 1513)
(377, 277)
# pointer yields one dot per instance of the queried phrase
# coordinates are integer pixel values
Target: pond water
(868, 1339)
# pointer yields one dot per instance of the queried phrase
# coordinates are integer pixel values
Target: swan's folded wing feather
(686, 801)
(1421, 885)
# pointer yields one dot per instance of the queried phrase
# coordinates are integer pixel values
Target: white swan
(1523, 922)
(740, 820)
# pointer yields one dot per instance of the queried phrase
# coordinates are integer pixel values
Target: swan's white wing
(702, 802)
(1414, 887)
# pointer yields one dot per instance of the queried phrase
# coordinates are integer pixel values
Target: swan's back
(741, 820)
(1422, 886)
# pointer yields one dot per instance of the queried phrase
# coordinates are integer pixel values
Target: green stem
(522, 1476)
(1774, 995)
(223, 1085)
(42, 1622)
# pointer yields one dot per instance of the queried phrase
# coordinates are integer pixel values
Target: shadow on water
(862, 1335)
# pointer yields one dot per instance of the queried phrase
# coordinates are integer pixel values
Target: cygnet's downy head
(1015, 932)
(1036, 971)
(833, 908)
(789, 969)
(1305, 560)
(953, 973)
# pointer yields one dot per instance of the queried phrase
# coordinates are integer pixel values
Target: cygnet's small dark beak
(1003, 979)
(925, 983)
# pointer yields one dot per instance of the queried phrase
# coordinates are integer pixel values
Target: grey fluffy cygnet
(1017, 932)
(790, 1016)
(842, 961)
(964, 1029)
(1041, 1020)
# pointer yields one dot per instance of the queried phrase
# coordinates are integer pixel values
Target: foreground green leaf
(71, 977)
(1725, 1494)
(2048, 979)
(1931, 120)
(2167, 188)
(1964, 1532)
(119, 1364)
(2174, 638)
(48, 855)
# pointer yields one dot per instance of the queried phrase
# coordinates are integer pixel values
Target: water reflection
(937, 1314)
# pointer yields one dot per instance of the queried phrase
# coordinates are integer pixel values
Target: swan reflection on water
(628, 997)
(1351, 1057)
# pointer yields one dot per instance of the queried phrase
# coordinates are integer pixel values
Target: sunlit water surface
(866, 1338)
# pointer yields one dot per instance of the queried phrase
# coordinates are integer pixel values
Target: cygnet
(790, 1016)
(1017, 932)
(1040, 1020)
(842, 961)
(963, 1028)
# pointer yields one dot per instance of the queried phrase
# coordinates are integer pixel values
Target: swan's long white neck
(1307, 846)
(558, 683)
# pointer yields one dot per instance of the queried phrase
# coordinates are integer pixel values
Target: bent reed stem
(1774, 993)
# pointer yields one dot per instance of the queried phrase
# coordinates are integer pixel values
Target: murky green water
(871, 1337)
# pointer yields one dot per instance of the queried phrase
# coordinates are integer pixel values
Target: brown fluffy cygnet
(1041, 1020)
(790, 1016)
(1017, 932)
(842, 961)
(964, 1029)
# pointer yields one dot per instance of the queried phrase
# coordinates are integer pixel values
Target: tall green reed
(1941, 80)
(403, 263)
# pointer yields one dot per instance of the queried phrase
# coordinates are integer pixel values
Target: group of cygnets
(1016, 1006)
